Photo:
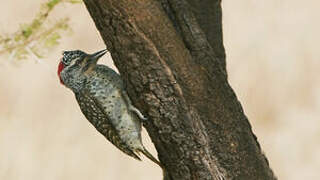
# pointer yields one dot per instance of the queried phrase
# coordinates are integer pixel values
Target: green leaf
(52, 40)
(26, 32)
(38, 36)
(52, 3)
(74, 1)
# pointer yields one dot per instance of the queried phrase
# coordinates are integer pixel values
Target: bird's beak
(97, 55)
(91, 61)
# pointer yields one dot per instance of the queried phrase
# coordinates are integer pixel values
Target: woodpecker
(100, 93)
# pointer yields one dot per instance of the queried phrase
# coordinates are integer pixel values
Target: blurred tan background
(273, 61)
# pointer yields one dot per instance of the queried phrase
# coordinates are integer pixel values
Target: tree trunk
(171, 56)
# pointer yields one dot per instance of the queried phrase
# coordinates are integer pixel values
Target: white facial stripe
(73, 61)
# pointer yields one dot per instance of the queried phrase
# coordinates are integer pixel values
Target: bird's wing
(96, 115)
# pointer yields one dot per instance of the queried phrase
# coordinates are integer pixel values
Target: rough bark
(171, 57)
(209, 16)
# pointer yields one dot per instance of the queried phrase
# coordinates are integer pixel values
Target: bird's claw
(138, 113)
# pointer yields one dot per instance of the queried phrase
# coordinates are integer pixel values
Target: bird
(101, 95)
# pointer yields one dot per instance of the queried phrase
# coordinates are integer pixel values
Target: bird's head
(77, 61)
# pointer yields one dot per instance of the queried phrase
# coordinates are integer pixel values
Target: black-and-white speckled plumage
(102, 99)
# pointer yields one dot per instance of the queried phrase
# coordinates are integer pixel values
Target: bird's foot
(138, 113)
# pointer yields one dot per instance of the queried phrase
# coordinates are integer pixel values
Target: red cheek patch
(60, 68)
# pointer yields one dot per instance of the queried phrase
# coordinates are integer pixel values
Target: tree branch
(175, 77)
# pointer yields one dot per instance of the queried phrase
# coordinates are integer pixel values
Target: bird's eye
(66, 61)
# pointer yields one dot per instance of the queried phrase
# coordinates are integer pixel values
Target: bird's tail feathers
(135, 156)
(150, 156)
(153, 159)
